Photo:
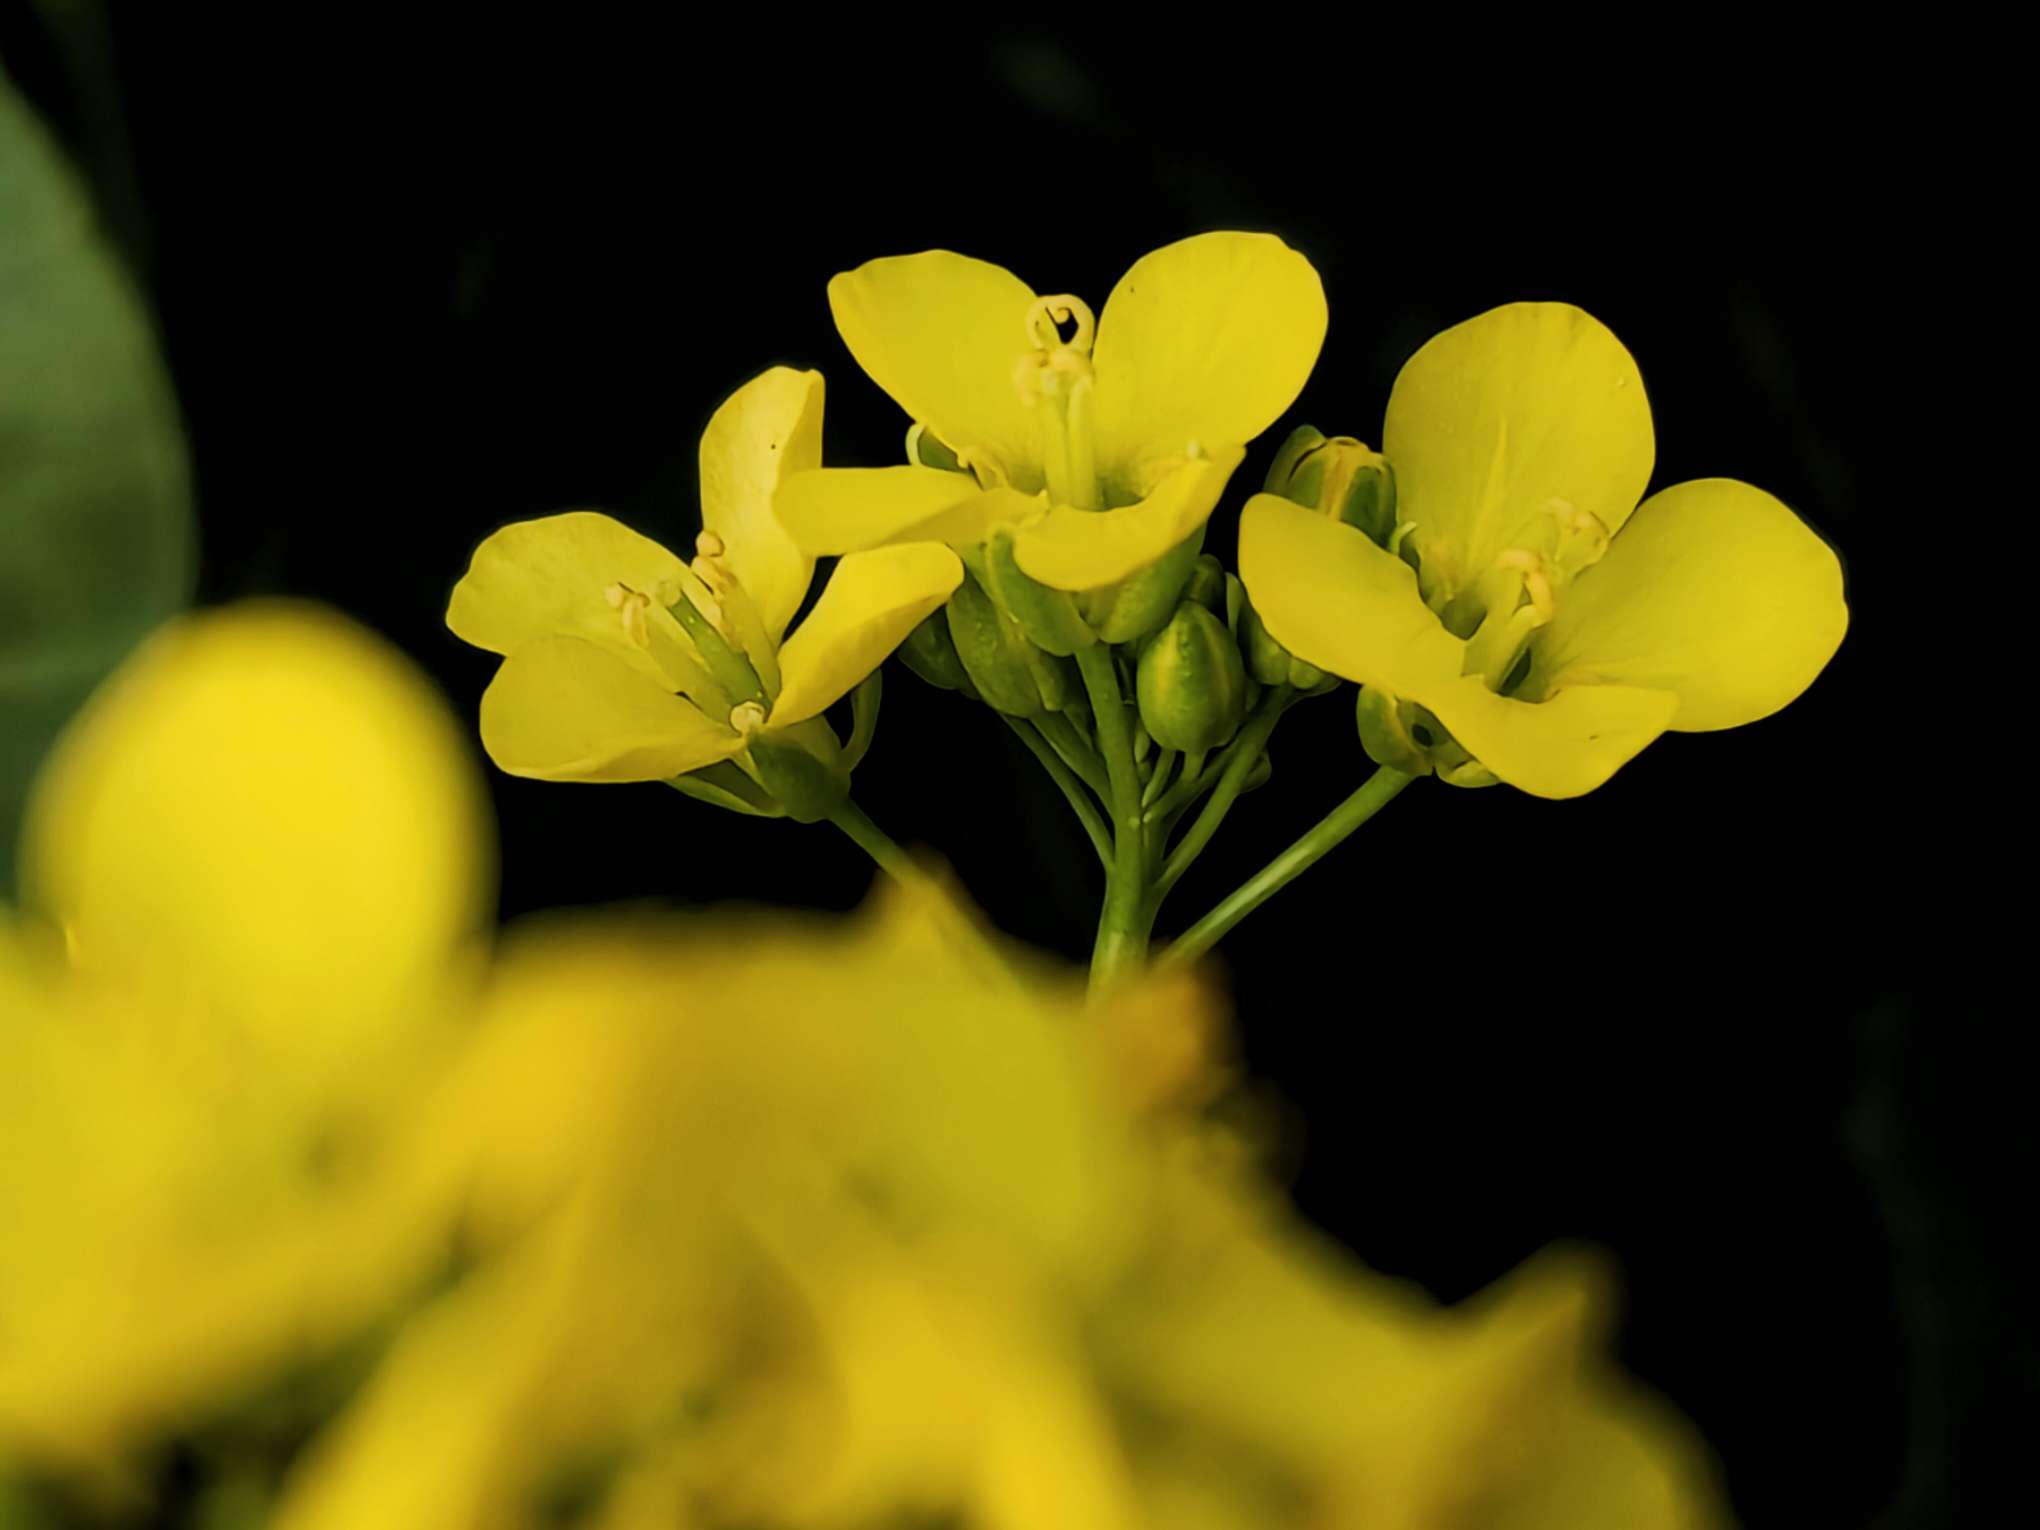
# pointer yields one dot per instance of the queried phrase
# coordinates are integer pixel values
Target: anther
(630, 606)
(747, 718)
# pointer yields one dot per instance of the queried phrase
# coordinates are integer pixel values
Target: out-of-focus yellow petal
(1715, 592)
(767, 430)
(551, 577)
(269, 810)
(1554, 1438)
(1335, 599)
(1206, 340)
(940, 333)
(871, 602)
(1496, 418)
(844, 510)
(1068, 549)
(565, 709)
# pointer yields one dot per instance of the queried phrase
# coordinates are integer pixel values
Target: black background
(419, 280)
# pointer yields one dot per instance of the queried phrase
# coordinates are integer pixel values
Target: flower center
(1053, 377)
(1507, 603)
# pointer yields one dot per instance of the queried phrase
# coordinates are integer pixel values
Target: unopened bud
(1339, 476)
(1191, 682)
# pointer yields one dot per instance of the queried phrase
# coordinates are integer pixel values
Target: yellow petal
(1335, 599)
(563, 709)
(1714, 591)
(844, 510)
(872, 601)
(940, 333)
(1563, 746)
(1497, 418)
(767, 430)
(550, 576)
(1069, 549)
(1205, 340)
(266, 811)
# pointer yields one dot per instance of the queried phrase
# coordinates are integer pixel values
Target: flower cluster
(326, 1209)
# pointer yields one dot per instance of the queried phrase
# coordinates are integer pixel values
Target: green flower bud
(1207, 584)
(1010, 674)
(1406, 737)
(1140, 603)
(930, 653)
(1385, 733)
(1340, 476)
(1268, 662)
(1048, 617)
(803, 770)
(1191, 682)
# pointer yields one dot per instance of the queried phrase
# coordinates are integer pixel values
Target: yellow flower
(820, 1225)
(1141, 415)
(1551, 624)
(622, 663)
(262, 864)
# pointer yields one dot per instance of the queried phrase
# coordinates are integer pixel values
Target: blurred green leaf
(96, 532)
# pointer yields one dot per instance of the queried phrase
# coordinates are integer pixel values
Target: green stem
(1076, 751)
(1072, 789)
(877, 844)
(1375, 794)
(1240, 759)
(1124, 920)
(904, 870)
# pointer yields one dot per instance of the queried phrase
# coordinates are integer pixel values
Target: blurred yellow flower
(262, 866)
(623, 663)
(816, 1228)
(1549, 622)
(744, 1219)
(1141, 414)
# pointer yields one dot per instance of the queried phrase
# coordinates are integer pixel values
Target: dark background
(416, 280)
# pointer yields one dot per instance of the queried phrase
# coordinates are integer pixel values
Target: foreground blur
(317, 1211)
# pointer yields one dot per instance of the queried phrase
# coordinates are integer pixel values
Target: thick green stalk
(1378, 790)
(1123, 922)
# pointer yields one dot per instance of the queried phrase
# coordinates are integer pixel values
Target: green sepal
(1371, 500)
(1049, 617)
(1340, 476)
(1191, 682)
(726, 786)
(1385, 733)
(927, 449)
(930, 652)
(1455, 767)
(802, 767)
(1142, 602)
(864, 702)
(1011, 675)
(1302, 440)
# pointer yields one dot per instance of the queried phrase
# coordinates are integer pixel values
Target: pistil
(1054, 378)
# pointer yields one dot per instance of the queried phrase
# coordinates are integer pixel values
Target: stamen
(630, 606)
(748, 718)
